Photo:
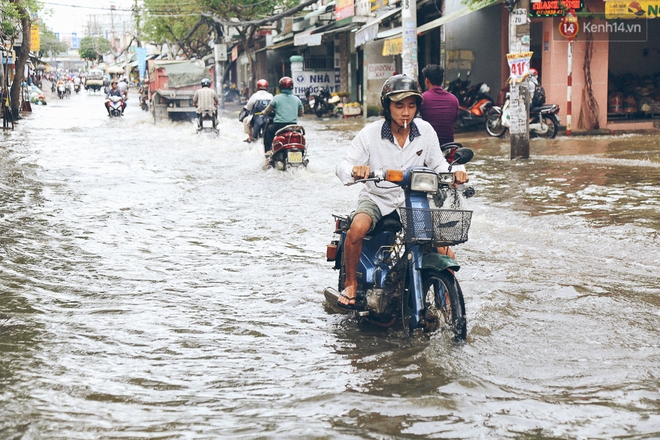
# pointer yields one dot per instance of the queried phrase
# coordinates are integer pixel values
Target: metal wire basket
(439, 227)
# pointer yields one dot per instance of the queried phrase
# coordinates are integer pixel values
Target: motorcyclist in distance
(287, 108)
(114, 91)
(262, 94)
(123, 86)
(205, 99)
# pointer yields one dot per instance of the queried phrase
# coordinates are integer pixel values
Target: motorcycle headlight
(426, 182)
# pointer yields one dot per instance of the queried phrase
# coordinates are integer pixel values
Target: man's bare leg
(352, 249)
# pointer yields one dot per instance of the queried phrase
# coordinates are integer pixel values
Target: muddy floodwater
(158, 284)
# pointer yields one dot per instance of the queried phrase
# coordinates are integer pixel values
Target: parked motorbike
(401, 275)
(325, 103)
(459, 87)
(61, 90)
(231, 93)
(208, 123)
(289, 148)
(474, 102)
(116, 106)
(543, 123)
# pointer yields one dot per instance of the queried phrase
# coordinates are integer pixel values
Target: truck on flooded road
(171, 86)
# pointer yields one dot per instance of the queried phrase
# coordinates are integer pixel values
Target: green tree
(177, 24)
(189, 25)
(49, 43)
(247, 16)
(93, 48)
(15, 21)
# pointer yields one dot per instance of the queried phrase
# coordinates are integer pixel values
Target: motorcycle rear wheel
(445, 307)
(494, 125)
(553, 127)
(320, 110)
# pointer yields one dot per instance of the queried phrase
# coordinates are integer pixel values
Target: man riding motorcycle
(287, 108)
(397, 142)
(114, 91)
(251, 109)
(205, 99)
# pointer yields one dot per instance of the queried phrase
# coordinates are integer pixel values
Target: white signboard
(380, 71)
(314, 81)
(519, 17)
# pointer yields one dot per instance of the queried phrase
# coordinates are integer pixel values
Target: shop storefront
(634, 59)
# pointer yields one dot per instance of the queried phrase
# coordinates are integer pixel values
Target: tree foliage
(49, 43)
(179, 25)
(190, 25)
(93, 48)
(15, 19)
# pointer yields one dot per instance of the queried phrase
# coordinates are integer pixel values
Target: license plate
(207, 124)
(295, 156)
(311, 103)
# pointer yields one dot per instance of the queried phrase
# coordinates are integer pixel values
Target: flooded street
(158, 284)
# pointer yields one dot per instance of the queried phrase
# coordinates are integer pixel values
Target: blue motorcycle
(401, 275)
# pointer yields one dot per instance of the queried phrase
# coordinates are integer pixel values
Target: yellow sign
(34, 39)
(635, 9)
(393, 46)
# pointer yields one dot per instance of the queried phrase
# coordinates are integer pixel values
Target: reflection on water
(608, 180)
(158, 284)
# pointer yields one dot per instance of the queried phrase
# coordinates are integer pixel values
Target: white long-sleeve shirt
(376, 147)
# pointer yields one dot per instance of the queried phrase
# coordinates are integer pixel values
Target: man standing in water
(398, 142)
(439, 107)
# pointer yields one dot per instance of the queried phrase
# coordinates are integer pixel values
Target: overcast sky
(67, 16)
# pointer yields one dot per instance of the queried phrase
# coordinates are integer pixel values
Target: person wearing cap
(399, 141)
(114, 91)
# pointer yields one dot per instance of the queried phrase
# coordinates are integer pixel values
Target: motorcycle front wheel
(494, 125)
(552, 124)
(445, 307)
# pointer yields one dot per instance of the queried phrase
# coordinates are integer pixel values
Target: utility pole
(220, 55)
(112, 23)
(409, 60)
(137, 23)
(519, 57)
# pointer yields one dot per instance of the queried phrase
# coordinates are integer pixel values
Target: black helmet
(399, 87)
(206, 82)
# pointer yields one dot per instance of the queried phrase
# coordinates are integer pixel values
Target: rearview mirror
(462, 156)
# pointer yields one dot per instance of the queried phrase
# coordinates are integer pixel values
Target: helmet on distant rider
(206, 82)
(286, 83)
(397, 88)
(262, 84)
(533, 72)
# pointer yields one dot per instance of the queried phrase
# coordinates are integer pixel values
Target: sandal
(356, 305)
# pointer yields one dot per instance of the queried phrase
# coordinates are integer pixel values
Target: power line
(87, 7)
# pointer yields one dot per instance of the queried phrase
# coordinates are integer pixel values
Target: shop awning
(387, 33)
(281, 41)
(458, 13)
(342, 29)
(369, 31)
(320, 11)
